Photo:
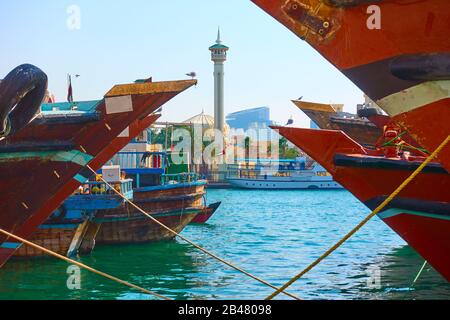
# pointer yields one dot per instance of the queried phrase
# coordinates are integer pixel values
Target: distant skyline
(121, 41)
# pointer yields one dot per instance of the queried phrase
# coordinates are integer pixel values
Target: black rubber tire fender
(368, 112)
(21, 94)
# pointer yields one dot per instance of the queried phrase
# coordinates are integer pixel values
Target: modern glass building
(250, 119)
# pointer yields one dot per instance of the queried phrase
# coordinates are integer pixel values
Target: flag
(70, 92)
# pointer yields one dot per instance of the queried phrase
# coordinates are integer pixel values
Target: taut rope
(229, 264)
(81, 265)
(364, 222)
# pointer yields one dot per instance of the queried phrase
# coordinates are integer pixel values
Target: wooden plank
(78, 238)
(88, 242)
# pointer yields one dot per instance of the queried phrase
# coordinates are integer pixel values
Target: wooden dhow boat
(395, 51)
(325, 116)
(66, 229)
(70, 230)
(420, 214)
(174, 200)
(366, 127)
(44, 161)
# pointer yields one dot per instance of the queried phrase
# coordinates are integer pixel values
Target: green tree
(286, 152)
(291, 153)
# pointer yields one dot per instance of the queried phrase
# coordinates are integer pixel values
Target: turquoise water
(272, 234)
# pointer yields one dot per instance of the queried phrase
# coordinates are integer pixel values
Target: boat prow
(332, 117)
(321, 145)
(419, 214)
(380, 120)
(63, 170)
(319, 113)
(122, 140)
(313, 106)
(398, 54)
(206, 213)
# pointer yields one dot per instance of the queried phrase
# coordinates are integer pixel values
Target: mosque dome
(202, 119)
(206, 121)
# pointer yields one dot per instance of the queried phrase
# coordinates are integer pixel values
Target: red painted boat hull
(385, 63)
(59, 239)
(429, 126)
(206, 214)
(421, 212)
(122, 105)
(427, 235)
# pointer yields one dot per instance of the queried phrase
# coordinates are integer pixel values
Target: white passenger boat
(280, 174)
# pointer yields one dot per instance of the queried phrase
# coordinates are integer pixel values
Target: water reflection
(164, 267)
(399, 268)
(273, 235)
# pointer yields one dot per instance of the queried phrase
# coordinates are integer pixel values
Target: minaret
(219, 56)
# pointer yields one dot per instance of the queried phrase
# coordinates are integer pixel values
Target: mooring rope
(420, 273)
(229, 264)
(82, 265)
(364, 222)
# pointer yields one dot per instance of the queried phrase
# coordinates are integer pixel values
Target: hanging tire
(422, 67)
(368, 112)
(21, 94)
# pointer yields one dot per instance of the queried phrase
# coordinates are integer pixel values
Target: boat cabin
(279, 168)
(148, 169)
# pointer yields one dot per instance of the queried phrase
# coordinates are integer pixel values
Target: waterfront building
(255, 118)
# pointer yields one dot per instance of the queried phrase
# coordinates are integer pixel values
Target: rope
(420, 273)
(81, 265)
(393, 139)
(194, 244)
(364, 222)
(404, 145)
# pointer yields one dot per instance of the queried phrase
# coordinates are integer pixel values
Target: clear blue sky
(120, 41)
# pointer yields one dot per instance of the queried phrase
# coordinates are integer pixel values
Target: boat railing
(214, 176)
(93, 188)
(140, 160)
(256, 174)
(261, 174)
(179, 178)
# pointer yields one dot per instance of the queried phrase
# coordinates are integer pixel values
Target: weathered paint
(149, 88)
(119, 104)
(10, 245)
(73, 156)
(413, 37)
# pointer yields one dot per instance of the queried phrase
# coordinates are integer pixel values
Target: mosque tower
(219, 56)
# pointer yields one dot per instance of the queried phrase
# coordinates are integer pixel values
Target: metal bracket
(301, 13)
